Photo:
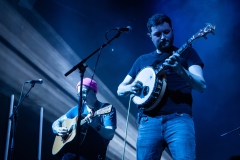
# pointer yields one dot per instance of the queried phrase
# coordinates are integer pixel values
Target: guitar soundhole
(65, 138)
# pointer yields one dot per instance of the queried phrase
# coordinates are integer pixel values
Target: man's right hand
(128, 86)
(135, 86)
(62, 131)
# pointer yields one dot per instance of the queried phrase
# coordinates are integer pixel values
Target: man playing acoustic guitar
(98, 122)
(165, 118)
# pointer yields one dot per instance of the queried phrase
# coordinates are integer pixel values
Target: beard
(165, 45)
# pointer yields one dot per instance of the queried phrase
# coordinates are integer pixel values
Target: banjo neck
(160, 69)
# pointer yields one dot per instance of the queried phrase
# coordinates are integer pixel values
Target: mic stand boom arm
(80, 64)
(82, 70)
(17, 107)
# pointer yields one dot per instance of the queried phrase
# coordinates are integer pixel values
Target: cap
(89, 83)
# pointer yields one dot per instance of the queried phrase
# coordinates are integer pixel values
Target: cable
(129, 104)
(19, 100)
(94, 70)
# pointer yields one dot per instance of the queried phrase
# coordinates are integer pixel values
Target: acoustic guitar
(65, 144)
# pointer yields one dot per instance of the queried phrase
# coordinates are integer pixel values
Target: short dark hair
(158, 19)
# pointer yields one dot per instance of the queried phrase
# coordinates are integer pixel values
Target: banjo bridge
(143, 91)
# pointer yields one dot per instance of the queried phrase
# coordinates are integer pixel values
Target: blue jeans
(175, 131)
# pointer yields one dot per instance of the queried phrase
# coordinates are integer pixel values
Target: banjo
(154, 78)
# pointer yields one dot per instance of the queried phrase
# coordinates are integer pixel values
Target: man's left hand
(92, 121)
(174, 62)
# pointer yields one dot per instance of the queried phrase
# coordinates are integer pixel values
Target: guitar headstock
(203, 32)
(104, 110)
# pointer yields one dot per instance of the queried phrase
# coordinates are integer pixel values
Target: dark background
(82, 25)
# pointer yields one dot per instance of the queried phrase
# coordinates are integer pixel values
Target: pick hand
(135, 86)
(62, 131)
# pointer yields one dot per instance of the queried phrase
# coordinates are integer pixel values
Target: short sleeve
(110, 119)
(193, 58)
(73, 112)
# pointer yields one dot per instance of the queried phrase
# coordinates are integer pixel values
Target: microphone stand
(82, 70)
(14, 118)
(230, 131)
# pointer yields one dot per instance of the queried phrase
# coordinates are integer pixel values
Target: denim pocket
(143, 119)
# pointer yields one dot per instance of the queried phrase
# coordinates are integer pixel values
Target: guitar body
(62, 144)
(152, 91)
(68, 143)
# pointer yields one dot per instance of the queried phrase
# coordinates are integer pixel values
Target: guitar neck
(99, 112)
(83, 120)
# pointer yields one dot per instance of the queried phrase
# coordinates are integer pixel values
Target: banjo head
(148, 78)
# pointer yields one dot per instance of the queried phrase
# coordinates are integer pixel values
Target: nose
(162, 36)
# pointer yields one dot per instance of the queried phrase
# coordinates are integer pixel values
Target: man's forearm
(123, 90)
(194, 81)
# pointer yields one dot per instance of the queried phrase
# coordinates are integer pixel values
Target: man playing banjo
(169, 123)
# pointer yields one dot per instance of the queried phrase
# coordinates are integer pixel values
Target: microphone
(39, 81)
(128, 29)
